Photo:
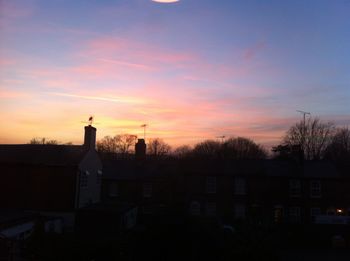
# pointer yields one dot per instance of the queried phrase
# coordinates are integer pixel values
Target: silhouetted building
(140, 149)
(51, 179)
(266, 191)
(149, 184)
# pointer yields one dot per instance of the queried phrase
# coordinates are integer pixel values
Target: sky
(192, 69)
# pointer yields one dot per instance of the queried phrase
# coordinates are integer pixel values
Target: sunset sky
(192, 69)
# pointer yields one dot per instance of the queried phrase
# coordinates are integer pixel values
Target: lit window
(294, 188)
(240, 186)
(84, 179)
(340, 212)
(294, 214)
(195, 208)
(240, 211)
(210, 209)
(211, 185)
(113, 189)
(315, 189)
(147, 190)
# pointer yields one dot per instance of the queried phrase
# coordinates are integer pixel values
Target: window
(315, 189)
(84, 179)
(211, 185)
(240, 211)
(147, 190)
(294, 188)
(240, 186)
(113, 189)
(278, 214)
(315, 212)
(210, 209)
(294, 214)
(195, 208)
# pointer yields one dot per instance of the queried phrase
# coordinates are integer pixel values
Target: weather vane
(90, 120)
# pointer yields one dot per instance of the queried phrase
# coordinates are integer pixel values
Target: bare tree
(43, 141)
(339, 148)
(312, 136)
(207, 149)
(108, 145)
(125, 143)
(183, 151)
(121, 144)
(157, 147)
(243, 148)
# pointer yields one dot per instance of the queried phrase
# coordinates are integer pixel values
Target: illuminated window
(294, 188)
(315, 189)
(211, 185)
(240, 186)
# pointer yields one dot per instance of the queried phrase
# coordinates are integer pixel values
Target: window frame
(313, 189)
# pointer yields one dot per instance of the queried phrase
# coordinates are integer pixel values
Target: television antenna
(222, 138)
(304, 114)
(144, 130)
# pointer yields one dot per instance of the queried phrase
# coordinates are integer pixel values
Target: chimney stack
(90, 137)
(140, 149)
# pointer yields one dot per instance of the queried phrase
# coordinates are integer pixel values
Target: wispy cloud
(100, 98)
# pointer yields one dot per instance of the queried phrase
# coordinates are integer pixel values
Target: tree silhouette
(121, 144)
(43, 141)
(243, 148)
(339, 147)
(157, 147)
(312, 136)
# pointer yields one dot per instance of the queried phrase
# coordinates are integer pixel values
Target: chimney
(90, 137)
(140, 149)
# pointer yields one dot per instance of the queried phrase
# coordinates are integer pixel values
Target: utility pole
(304, 128)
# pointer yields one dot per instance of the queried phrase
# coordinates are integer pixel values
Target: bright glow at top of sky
(192, 70)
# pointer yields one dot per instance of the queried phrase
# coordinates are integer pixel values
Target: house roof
(9, 218)
(49, 155)
(132, 170)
